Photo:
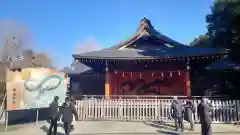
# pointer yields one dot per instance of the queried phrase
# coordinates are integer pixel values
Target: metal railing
(224, 111)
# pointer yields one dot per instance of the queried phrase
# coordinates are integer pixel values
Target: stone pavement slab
(123, 128)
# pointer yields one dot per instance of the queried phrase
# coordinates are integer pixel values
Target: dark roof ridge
(146, 28)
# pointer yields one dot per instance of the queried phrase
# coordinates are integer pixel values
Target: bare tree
(43, 60)
(28, 58)
(14, 39)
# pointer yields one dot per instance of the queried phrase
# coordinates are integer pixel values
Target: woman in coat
(189, 110)
(204, 112)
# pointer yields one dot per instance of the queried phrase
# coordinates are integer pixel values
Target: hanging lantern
(170, 74)
(152, 74)
(162, 74)
(188, 67)
(123, 74)
(179, 72)
(140, 75)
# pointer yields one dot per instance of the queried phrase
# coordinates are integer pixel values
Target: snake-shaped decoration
(40, 88)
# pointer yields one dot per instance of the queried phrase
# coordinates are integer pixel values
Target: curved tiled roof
(224, 63)
(146, 30)
(131, 54)
(80, 68)
(148, 43)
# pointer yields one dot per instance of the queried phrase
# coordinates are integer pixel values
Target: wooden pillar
(187, 75)
(188, 84)
(107, 81)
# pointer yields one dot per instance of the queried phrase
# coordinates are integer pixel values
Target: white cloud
(87, 46)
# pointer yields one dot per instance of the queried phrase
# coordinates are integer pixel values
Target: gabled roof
(76, 68)
(224, 63)
(146, 30)
(80, 68)
(148, 43)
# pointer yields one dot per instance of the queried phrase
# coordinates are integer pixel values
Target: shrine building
(148, 63)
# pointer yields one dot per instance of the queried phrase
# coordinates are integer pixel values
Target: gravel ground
(121, 128)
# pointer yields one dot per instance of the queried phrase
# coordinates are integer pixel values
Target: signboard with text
(34, 88)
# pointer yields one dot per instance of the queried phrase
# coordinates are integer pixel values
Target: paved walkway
(122, 128)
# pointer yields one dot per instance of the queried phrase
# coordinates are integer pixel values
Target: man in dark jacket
(204, 112)
(53, 109)
(73, 103)
(67, 111)
(189, 109)
(177, 113)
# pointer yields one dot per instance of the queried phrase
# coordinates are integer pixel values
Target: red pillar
(188, 84)
(107, 81)
(107, 85)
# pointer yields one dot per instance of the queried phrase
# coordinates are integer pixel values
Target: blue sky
(58, 26)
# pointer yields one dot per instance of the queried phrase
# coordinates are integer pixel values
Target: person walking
(73, 103)
(53, 116)
(177, 113)
(67, 111)
(204, 112)
(189, 110)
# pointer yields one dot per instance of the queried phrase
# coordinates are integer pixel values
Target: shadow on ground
(45, 129)
(160, 125)
(169, 129)
(194, 133)
(11, 127)
(59, 124)
(164, 126)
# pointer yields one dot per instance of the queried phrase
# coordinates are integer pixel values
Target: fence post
(238, 109)
(37, 116)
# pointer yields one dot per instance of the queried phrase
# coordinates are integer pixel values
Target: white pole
(37, 116)
(3, 105)
(6, 119)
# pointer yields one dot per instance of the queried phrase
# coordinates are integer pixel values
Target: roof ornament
(144, 17)
(145, 24)
(146, 29)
